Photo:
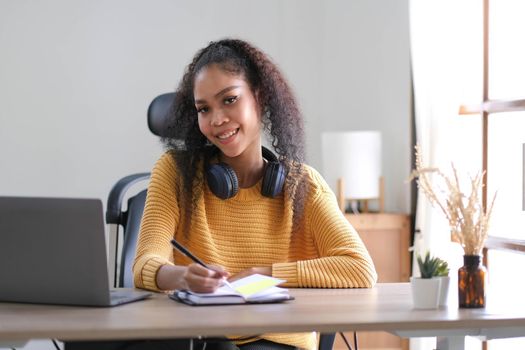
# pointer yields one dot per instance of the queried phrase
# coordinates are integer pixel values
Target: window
(503, 115)
(456, 64)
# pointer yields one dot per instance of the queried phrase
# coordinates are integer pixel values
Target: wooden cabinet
(387, 238)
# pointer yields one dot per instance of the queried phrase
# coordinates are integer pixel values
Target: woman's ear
(256, 94)
(258, 101)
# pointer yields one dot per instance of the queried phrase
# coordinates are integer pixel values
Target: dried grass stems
(468, 221)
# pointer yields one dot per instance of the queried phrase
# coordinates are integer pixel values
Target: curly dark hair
(281, 118)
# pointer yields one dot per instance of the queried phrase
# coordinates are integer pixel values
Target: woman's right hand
(202, 280)
(194, 277)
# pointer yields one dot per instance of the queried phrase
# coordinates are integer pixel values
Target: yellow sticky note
(254, 284)
(254, 287)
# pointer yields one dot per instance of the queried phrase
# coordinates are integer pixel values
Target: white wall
(76, 78)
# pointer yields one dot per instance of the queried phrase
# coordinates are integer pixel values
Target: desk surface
(386, 307)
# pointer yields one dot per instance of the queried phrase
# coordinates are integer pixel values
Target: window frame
(490, 108)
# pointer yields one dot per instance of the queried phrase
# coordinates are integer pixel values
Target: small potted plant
(426, 290)
(468, 219)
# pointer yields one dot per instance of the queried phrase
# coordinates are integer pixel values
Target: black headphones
(223, 182)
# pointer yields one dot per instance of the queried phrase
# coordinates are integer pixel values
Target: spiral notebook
(254, 289)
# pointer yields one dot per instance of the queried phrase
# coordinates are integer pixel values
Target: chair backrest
(135, 210)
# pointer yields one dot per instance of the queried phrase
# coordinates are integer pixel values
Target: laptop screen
(53, 250)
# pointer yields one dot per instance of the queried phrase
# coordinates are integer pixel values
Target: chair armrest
(116, 195)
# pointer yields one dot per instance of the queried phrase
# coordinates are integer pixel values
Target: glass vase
(471, 282)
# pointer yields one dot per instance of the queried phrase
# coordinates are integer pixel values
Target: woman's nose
(219, 118)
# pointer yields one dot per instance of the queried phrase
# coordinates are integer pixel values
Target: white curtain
(446, 63)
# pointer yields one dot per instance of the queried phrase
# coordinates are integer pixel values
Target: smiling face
(228, 113)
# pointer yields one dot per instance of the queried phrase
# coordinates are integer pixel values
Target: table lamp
(352, 168)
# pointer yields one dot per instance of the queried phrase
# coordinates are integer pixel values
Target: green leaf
(430, 266)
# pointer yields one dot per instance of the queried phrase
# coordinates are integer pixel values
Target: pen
(186, 252)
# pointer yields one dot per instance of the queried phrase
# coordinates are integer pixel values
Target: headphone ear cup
(273, 180)
(222, 180)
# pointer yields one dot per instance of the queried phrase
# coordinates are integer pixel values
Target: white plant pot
(425, 292)
(443, 290)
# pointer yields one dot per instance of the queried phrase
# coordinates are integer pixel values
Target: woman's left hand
(251, 271)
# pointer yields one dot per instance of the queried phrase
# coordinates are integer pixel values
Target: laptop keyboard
(123, 296)
(120, 294)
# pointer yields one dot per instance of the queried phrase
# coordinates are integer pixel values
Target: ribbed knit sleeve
(343, 260)
(159, 221)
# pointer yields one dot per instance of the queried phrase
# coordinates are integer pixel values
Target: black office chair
(129, 220)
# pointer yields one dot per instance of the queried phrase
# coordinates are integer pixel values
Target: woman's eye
(202, 110)
(230, 100)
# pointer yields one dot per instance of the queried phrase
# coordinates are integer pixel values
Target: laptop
(53, 251)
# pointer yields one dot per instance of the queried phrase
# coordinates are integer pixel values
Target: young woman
(235, 204)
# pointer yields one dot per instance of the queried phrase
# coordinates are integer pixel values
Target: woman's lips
(227, 136)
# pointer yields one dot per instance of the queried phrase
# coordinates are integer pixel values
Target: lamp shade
(354, 156)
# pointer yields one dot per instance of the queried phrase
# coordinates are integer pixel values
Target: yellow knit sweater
(251, 230)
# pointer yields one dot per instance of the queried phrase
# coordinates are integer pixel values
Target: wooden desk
(386, 307)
